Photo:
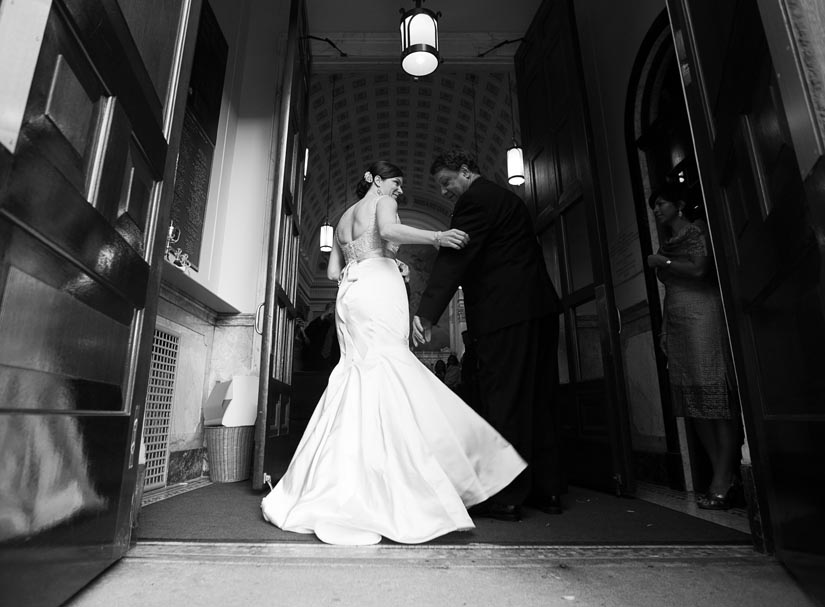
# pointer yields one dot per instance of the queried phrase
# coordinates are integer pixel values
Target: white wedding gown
(389, 450)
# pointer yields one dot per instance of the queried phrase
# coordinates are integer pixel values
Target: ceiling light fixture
(326, 228)
(419, 40)
(515, 157)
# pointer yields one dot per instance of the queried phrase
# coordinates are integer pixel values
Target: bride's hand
(455, 239)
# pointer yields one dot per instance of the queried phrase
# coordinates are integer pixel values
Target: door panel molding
(106, 35)
(39, 202)
(560, 185)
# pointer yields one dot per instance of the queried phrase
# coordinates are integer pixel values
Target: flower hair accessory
(368, 177)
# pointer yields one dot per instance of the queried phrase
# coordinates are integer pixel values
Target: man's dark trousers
(518, 373)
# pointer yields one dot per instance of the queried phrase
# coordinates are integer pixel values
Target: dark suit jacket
(501, 270)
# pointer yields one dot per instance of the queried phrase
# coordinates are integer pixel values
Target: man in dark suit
(512, 312)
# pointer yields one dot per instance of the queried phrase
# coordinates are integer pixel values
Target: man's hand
(422, 331)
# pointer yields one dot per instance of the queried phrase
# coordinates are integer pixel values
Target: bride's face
(392, 186)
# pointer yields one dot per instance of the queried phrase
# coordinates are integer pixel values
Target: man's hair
(453, 160)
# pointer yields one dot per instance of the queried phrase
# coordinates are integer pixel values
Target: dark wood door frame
(83, 215)
(765, 217)
(279, 309)
(654, 53)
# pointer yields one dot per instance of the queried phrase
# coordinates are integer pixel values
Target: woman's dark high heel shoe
(717, 501)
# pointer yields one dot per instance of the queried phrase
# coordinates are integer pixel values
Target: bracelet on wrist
(438, 239)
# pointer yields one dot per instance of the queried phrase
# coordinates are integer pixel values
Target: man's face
(453, 183)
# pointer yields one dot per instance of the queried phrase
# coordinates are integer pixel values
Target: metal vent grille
(158, 410)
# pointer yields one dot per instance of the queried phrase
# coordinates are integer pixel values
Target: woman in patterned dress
(694, 338)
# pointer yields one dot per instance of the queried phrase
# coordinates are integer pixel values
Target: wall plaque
(200, 127)
(192, 187)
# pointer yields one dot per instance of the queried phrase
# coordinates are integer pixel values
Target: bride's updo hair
(382, 169)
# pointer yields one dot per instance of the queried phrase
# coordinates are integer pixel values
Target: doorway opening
(661, 152)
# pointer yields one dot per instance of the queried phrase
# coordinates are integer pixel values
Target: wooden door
(561, 194)
(766, 226)
(82, 216)
(279, 310)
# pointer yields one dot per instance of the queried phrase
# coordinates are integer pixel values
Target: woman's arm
(398, 233)
(336, 261)
(695, 266)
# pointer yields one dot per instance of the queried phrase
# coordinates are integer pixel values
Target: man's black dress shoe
(500, 512)
(549, 504)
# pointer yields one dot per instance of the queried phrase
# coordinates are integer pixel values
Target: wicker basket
(229, 451)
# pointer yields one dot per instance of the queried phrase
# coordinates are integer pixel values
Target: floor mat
(231, 512)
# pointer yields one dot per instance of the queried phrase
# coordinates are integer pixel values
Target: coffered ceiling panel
(386, 115)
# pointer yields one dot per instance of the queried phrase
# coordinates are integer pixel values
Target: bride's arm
(392, 230)
(336, 261)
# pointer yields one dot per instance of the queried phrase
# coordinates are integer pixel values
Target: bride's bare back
(356, 220)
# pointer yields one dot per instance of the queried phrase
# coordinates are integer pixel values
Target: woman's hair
(676, 193)
(382, 169)
(453, 160)
(670, 192)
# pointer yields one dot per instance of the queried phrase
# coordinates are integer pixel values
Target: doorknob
(259, 325)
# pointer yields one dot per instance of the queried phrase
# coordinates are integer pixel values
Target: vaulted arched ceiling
(386, 115)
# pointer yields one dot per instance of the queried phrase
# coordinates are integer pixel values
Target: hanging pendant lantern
(326, 229)
(326, 237)
(515, 156)
(419, 40)
(515, 164)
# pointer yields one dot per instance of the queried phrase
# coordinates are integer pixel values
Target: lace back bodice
(369, 244)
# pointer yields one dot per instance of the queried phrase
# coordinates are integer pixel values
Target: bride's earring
(378, 189)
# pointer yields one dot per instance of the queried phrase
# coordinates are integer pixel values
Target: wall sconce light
(419, 40)
(515, 156)
(326, 228)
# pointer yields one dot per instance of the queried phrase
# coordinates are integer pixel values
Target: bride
(390, 451)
